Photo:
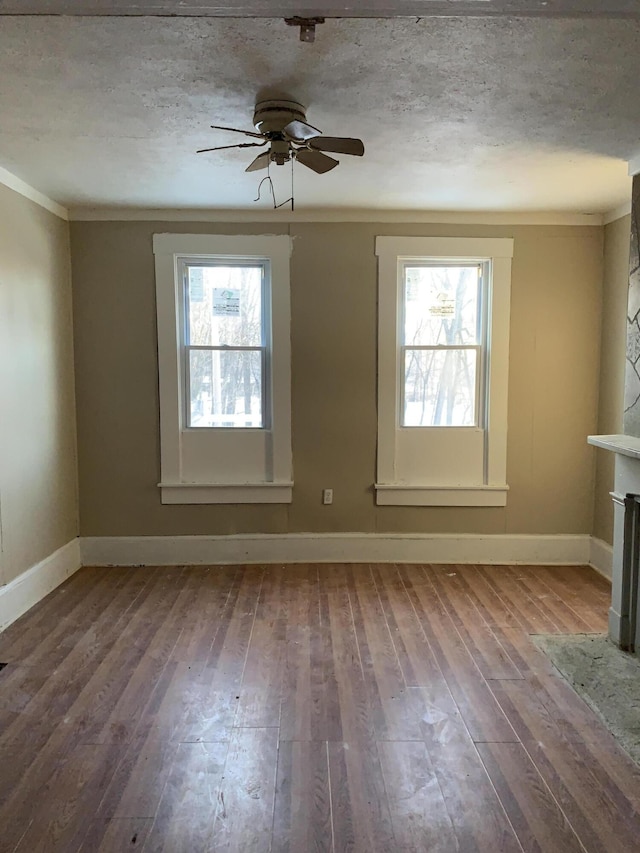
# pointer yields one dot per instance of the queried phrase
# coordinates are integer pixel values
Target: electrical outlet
(327, 496)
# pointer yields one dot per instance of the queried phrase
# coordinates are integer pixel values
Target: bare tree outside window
(441, 345)
(225, 351)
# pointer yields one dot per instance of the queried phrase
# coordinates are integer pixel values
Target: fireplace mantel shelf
(627, 445)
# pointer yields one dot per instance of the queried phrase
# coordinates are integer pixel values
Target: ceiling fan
(282, 125)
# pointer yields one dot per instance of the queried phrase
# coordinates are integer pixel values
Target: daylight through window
(441, 345)
(225, 348)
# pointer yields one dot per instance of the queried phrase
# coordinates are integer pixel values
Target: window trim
(393, 252)
(271, 481)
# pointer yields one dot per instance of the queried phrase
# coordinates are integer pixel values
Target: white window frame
(215, 464)
(443, 466)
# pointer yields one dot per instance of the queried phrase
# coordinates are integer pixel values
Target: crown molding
(8, 179)
(617, 213)
(118, 214)
(634, 164)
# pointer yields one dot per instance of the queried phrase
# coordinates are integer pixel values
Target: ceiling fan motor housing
(282, 125)
(271, 117)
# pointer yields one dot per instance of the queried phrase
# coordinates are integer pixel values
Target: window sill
(413, 495)
(225, 493)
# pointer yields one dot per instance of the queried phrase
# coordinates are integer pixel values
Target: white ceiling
(464, 113)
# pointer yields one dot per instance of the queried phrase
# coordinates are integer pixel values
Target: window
(442, 344)
(442, 370)
(223, 353)
(225, 343)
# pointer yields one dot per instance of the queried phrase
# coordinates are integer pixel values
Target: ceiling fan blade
(315, 160)
(337, 145)
(301, 130)
(224, 147)
(261, 162)
(235, 130)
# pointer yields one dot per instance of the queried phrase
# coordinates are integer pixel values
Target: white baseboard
(601, 557)
(27, 589)
(31, 586)
(333, 548)
(619, 629)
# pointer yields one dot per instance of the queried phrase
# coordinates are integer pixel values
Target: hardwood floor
(307, 708)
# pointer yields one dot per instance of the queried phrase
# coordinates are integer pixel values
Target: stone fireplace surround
(625, 588)
(625, 583)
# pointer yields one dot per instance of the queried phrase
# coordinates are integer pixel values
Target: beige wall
(38, 475)
(555, 333)
(612, 364)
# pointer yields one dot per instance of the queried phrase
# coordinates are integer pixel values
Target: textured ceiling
(457, 113)
(330, 8)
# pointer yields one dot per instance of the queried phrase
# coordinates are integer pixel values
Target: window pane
(441, 305)
(226, 388)
(225, 306)
(440, 388)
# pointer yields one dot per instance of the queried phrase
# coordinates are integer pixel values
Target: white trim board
(31, 586)
(617, 213)
(20, 594)
(402, 495)
(257, 215)
(334, 548)
(8, 179)
(601, 558)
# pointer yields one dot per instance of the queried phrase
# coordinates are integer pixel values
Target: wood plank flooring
(307, 708)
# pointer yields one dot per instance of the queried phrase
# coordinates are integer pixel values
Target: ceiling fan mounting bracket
(307, 26)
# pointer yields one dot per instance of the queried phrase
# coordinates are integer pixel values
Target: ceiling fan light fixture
(280, 152)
